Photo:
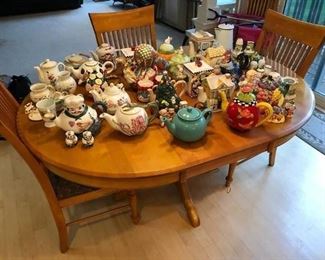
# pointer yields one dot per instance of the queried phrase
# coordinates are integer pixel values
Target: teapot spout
(111, 120)
(94, 55)
(40, 74)
(96, 95)
(152, 95)
(170, 125)
(75, 72)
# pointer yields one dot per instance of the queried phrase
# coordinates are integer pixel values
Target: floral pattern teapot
(131, 120)
(48, 71)
(113, 96)
(104, 52)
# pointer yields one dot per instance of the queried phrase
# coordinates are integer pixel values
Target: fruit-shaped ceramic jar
(244, 112)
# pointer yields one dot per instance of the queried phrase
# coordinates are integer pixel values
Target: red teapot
(244, 113)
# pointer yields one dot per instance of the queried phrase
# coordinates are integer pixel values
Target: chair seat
(65, 189)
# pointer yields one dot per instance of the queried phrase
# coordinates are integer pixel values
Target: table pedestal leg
(133, 200)
(188, 204)
(231, 170)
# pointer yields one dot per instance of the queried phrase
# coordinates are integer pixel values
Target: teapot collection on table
(237, 82)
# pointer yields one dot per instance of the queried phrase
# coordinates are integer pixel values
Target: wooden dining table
(156, 158)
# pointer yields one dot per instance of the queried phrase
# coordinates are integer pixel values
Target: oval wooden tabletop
(156, 152)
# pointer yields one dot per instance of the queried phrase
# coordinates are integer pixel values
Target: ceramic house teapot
(77, 116)
(131, 120)
(91, 66)
(243, 113)
(104, 52)
(113, 96)
(189, 124)
(48, 71)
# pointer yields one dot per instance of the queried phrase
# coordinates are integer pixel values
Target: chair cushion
(65, 189)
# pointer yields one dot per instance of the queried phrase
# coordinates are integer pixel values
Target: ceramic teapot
(189, 124)
(113, 96)
(77, 116)
(104, 52)
(48, 71)
(91, 66)
(131, 120)
(243, 113)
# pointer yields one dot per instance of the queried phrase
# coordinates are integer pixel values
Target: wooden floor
(271, 213)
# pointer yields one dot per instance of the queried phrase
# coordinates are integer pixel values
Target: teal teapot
(189, 124)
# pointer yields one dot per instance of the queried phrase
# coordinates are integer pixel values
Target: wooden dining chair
(60, 193)
(126, 28)
(291, 42)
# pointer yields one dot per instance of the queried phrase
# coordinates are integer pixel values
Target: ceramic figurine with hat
(70, 139)
(87, 139)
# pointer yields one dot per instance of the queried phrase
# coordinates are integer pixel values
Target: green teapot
(189, 124)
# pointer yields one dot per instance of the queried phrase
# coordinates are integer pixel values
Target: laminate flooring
(271, 213)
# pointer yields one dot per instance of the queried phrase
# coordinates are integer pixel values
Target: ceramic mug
(143, 94)
(47, 109)
(39, 91)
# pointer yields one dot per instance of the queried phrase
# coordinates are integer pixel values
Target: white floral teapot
(104, 52)
(48, 71)
(131, 120)
(112, 96)
(91, 66)
(77, 116)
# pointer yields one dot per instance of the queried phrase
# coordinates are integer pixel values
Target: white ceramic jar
(65, 83)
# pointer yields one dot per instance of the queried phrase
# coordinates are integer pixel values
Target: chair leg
(185, 40)
(229, 177)
(133, 200)
(62, 230)
(272, 155)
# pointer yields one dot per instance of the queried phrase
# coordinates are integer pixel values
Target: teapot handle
(268, 111)
(60, 64)
(108, 67)
(153, 105)
(207, 113)
(52, 89)
(99, 105)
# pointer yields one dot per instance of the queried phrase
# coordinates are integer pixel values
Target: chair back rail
(125, 29)
(290, 42)
(256, 7)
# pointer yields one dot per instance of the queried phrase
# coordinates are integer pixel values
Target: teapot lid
(91, 62)
(47, 64)
(225, 26)
(112, 89)
(189, 114)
